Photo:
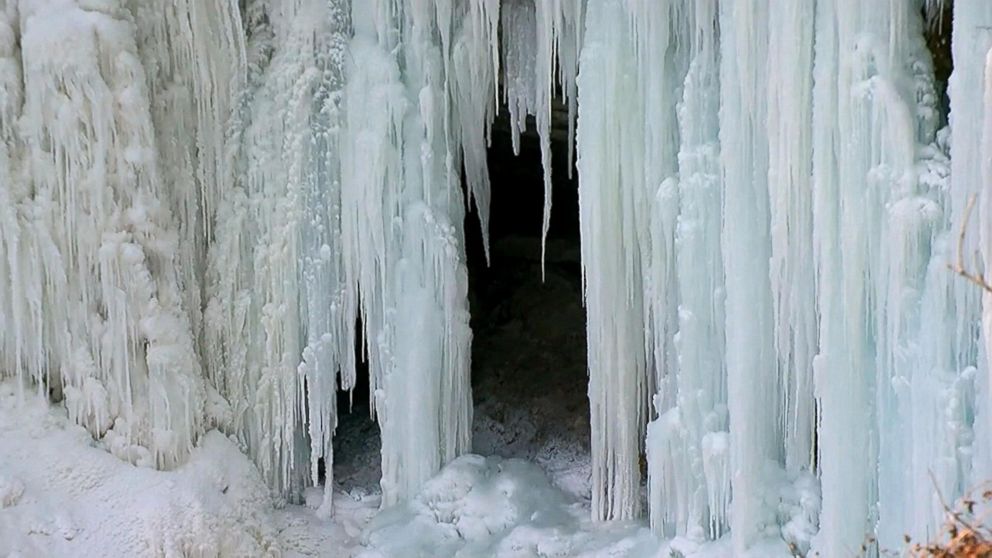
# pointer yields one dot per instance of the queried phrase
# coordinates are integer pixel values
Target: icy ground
(63, 495)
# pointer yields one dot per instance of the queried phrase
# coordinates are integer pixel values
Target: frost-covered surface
(200, 199)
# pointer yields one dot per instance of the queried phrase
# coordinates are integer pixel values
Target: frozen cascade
(198, 200)
(280, 323)
(92, 297)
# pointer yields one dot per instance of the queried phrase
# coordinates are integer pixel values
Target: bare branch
(958, 267)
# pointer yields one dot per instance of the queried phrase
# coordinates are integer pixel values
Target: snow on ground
(61, 494)
(481, 506)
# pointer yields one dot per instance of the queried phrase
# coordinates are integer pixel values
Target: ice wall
(198, 200)
(94, 292)
(202, 199)
(790, 283)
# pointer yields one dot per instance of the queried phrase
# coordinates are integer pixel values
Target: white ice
(199, 200)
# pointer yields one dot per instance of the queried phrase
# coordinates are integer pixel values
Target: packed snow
(63, 494)
(215, 216)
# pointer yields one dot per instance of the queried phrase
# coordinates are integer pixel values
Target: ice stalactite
(475, 59)
(402, 228)
(519, 61)
(540, 45)
(609, 215)
(93, 304)
(874, 226)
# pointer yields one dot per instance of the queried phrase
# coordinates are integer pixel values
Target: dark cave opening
(529, 378)
(357, 443)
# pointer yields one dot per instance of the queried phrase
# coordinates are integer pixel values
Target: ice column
(280, 320)
(873, 222)
(687, 445)
(751, 358)
(611, 220)
(403, 237)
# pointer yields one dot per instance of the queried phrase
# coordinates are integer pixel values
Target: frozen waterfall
(206, 206)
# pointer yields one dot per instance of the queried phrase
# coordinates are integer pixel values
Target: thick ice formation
(93, 274)
(874, 228)
(830, 209)
(199, 200)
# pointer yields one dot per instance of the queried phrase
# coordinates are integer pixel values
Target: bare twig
(966, 534)
(958, 267)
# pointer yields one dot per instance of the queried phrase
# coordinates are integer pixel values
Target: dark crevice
(529, 377)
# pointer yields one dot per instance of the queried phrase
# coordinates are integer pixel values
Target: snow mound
(63, 495)
(489, 506)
